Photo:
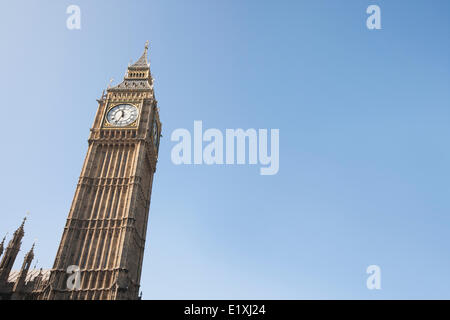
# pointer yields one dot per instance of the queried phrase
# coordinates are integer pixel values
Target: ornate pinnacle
(23, 222)
(2, 245)
(19, 231)
(142, 61)
(30, 253)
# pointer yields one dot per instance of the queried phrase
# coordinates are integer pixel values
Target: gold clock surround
(108, 125)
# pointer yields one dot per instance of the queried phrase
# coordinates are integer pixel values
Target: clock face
(122, 115)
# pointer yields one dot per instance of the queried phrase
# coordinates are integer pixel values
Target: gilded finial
(110, 82)
(146, 45)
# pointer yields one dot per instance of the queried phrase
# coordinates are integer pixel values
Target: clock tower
(104, 237)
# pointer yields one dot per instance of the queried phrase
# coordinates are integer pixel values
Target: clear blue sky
(364, 128)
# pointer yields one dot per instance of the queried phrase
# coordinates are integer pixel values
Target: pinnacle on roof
(142, 62)
(31, 252)
(20, 229)
(2, 245)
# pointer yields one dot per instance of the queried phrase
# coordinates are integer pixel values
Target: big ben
(105, 232)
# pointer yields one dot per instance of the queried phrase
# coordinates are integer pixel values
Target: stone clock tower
(104, 236)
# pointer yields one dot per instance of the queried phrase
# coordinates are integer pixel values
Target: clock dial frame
(122, 115)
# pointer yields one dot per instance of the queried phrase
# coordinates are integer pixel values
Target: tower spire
(138, 76)
(146, 48)
(2, 245)
(31, 252)
(142, 62)
(22, 224)
(29, 256)
(11, 252)
(19, 233)
(19, 285)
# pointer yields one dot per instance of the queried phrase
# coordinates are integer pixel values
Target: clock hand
(121, 116)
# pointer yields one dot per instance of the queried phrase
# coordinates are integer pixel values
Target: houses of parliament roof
(32, 274)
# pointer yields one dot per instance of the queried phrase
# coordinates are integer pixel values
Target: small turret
(11, 252)
(19, 285)
(2, 244)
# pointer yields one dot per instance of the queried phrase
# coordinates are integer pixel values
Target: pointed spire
(30, 254)
(137, 76)
(16, 240)
(2, 245)
(21, 280)
(142, 62)
(23, 222)
(20, 229)
(11, 252)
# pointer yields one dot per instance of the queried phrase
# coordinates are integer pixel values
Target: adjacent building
(26, 283)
